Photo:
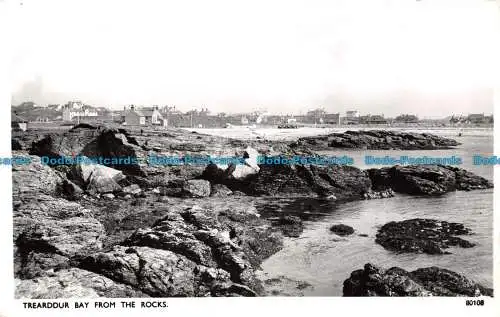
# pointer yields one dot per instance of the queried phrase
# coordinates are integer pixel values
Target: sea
(323, 260)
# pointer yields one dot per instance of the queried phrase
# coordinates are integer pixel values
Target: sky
(430, 58)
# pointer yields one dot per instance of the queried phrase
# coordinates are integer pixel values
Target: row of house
(475, 118)
(143, 116)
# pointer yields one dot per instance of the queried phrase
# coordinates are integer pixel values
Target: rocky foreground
(141, 230)
(376, 140)
(430, 281)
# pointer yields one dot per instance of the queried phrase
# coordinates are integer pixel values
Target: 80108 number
(474, 302)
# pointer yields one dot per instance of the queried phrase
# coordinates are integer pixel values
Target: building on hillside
(406, 118)
(78, 110)
(143, 116)
(372, 119)
(352, 117)
(478, 118)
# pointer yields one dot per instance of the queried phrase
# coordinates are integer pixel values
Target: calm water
(325, 260)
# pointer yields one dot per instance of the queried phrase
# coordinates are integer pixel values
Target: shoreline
(178, 213)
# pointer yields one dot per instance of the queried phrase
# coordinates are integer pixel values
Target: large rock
(196, 188)
(339, 181)
(251, 164)
(161, 273)
(422, 235)
(216, 234)
(94, 142)
(55, 225)
(425, 179)
(432, 281)
(342, 230)
(97, 179)
(376, 140)
(73, 283)
(34, 178)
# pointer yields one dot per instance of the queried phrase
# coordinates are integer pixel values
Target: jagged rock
(432, 281)
(73, 283)
(97, 179)
(343, 182)
(29, 264)
(342, 230)
(376, 140)
(465, 180)
(170, 234)
(196, 188)
(422, 235)
(159, 273)
(34, 178)
(52, 226)
(425, 179)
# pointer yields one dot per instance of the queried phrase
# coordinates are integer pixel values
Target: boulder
(34, 178)
(425, 179)
(97, 179)
(196, 188)
(422, 236)
(432, 281)
(250, 167)
(376, 140)
(342, 230)
(343, 182)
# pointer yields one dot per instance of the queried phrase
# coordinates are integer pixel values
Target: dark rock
(422, 235)
(376, 140)
(432, 281)
(339, 181)
(425, 179)
(16, 145)
(342, 230)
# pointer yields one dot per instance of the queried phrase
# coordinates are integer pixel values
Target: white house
(77, 109)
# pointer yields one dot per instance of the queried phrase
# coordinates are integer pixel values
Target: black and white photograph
(165, 149)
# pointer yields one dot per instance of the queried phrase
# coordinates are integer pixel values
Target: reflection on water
(325, 260)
